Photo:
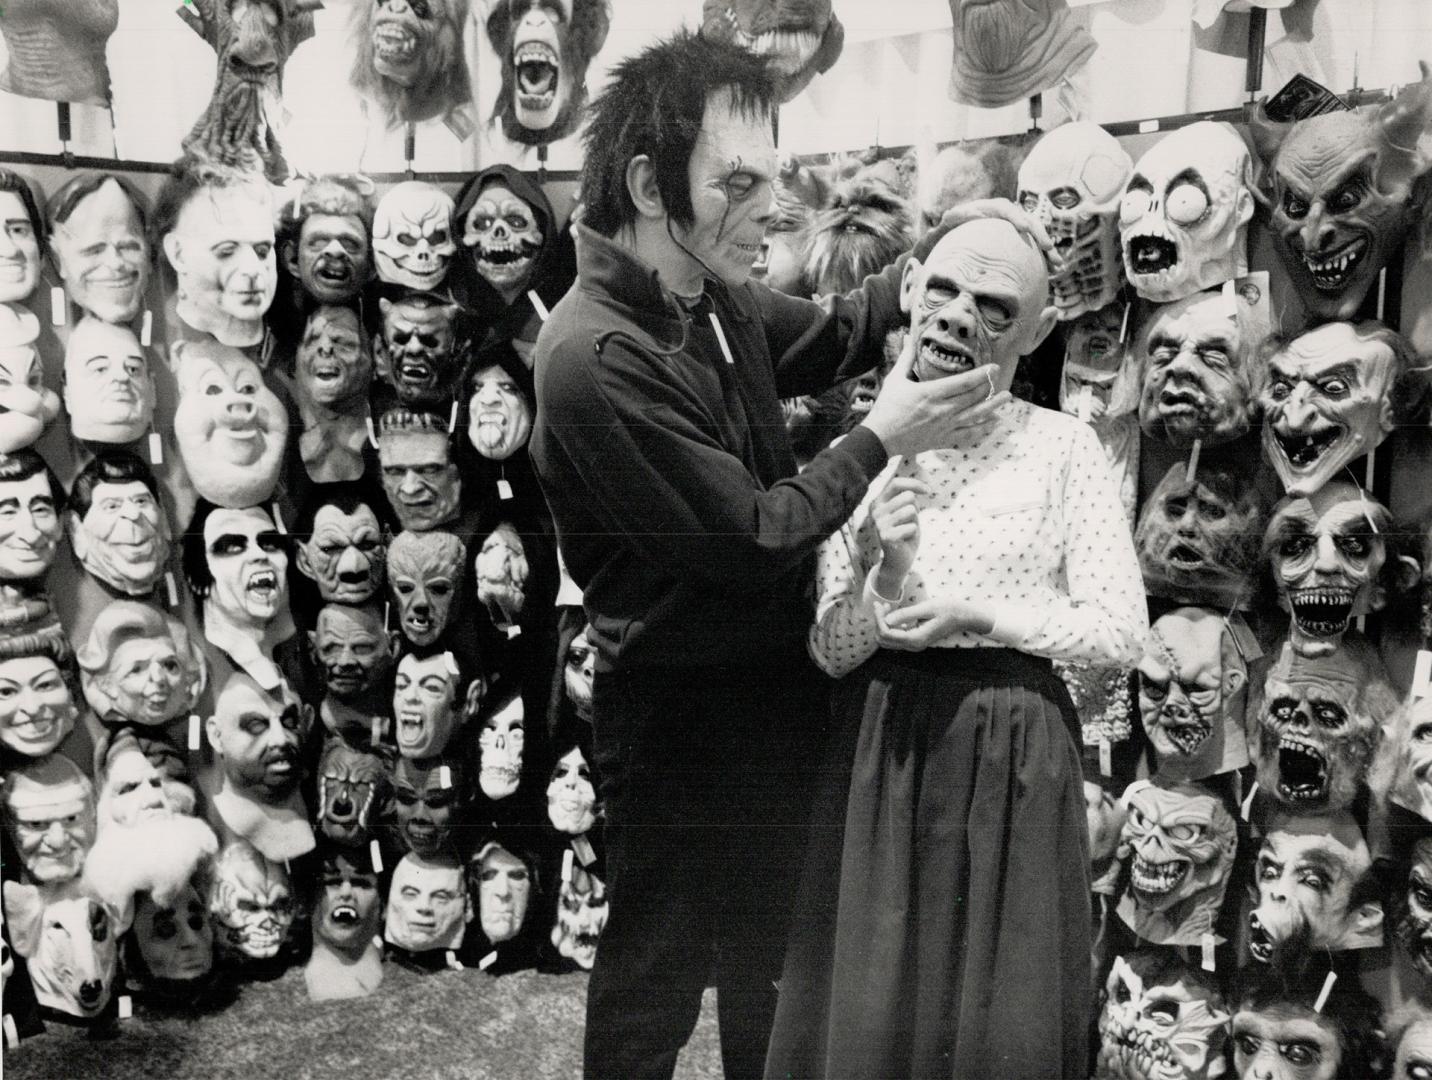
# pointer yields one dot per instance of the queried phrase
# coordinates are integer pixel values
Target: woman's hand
(896, 512)
(918, 626)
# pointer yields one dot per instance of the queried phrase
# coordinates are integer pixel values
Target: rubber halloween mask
(581, 918)
(352, 648)
(1198, 379)
(101, 251)
(413, 242)
(140, 666)
(56, 49)
(118, 528)
(799, 38)
(1160, 1022)
(49, 810)
(344, 555)
(501, 740)
(351, 790)
(109, 390)
(505, 237)
(500, 418)
(424, 574)
(251, 901)
(417, 353)
(571, 797)
(428, 904)
(1413, 929)
(425, 704)
(27, 408)
(420, 478)
(37, 711)
(1010, 49)
(504, 886)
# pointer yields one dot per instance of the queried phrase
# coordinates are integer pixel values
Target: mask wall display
(1184, 216)
(30, 522)
(501, 740)
(37, 709)
(332, 372)
(504, 234)
(71, 945)
(581, 917)
(220, 243)
(408, 62)
(252, 904)
(1072, 181)
(428, 904)
(418, 353)
(427, 803)
(109, 389)
(56, 49)
(426, 699)
(20, 231)
(571, 796)
(1011, 49)
(1344, 189)
(98, 238)
(140, 666)
(504, 887)
(231, 428)
(342, 552)
(324, 237)
(172, 942)
(861, 228)
(352, 790)
(50, 815)
(1329, 559)
(420, 478)
(1412, 906)
(579, 667)
(1410, 748)
(501, 569)
(353, 650)
(28, 406)
(1181, 840)
(799, 41)
(1160, 1020)
(413, 242)
(1198, 542)
(1314, 888)
(346, 917)
(118, 528)
(1191, 695)
(1331, 396)
(545, 48)
(499, 414)
(1319, 724)
(425, 572)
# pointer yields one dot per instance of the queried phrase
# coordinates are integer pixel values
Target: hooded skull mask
(1160, 1021)
(505, 236)
(412, 235)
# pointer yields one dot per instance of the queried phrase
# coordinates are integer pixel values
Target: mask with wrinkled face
(500, 419)
(1005, 50)
(581, 917)
(422, 482)
(251, 902)
(426, 803)
(504, 887)
(332, 367)
(49, 810)
(424, 575)
(352, 648)
(1411, 737)
(1159, 1024)
(1414, 909)
(412, 235)
(344, 556)
(578, 671)
(417, 353)
(501, 569)
(103, 255)
(428, 904)
(797, 38)
(1197, 381)
(1099, 376)
(350, 785)
(37, 711)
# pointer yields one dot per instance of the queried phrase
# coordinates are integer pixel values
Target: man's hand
(896, 513)
(976, 209)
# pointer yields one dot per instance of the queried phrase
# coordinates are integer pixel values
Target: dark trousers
(706, 778)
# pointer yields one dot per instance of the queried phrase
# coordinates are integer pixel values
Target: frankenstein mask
(504, 885)
(417, 353)
(544, 48)
(1329, 399)
(1072, 182)
(505, 238)
(501, 569)
(425, 809)
(1010, 49)
(118, 528)
(251, 902)
(581, 917)
(425, 704)
(1198, 385)
(109, 392)
(1160, 1021)
(571, 798)
(70, 943)
(140, 666)
(50, 814)
(428, 904)
(424, 575)
(344, 554)
(36, 709)
(412, 235)
(30, 524)
(100, 248)
(420, 478)
(500, 418)
(352, 648)
(231, 428)
(351, 787)
(500, 741)
(19, 239)
(27, 408)
(1184, 216)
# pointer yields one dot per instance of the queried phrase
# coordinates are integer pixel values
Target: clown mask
(140, 666)
(349, 910)
(102, 253)
(412, 235)
(422, 482)
(344, 555)
(1197, 383)
(428, 904)
(352, 648)
(50, 812)
(19, 249)
(351, 784)
(424, 574)
(109, 392)
(231, 428)
(501, 569)
(1329, 399)
(251, 902)
(500, 742)
(571, 798)
(426, 803)
(581, 917)
(505, 238)
(578, 671)
(1184, 216)
(504, 885)
(1160, 1022)
(26, 407)
(36, 710)
(175, 941)
(500, 418)
(1413, 932)
(425, 704)
(417, 353)
(1072, 182)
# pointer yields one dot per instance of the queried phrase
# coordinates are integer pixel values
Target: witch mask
(418, 354)
(27, 407)
(413, 242)
(571, 797)
(251, 901)
(1331, 396)
(97, 235)
(425, 572)
(1012, 49)
(352, 788)
(1160, 1021)
(109, 389)
(1184, 216)
(140, 666)
(429, 906)
(505, 237)
(49, 810)
(1072, 182)
(37, 709)
(1181, 840)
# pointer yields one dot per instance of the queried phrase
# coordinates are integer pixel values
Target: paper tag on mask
(538, 306)
(156, 448)
(1422, 674)
(513, 631)
(452, 961)
(444, 777)
(504, 489)
(146, 329)
(1192, 473)
(452, 418)
(59, 306)
(171, 590)
(378, 942)
(278, 520)
(567, 866)
(1325, 991)
(378, 727)
(1247, 807)
(12, 1033)
(1106, 758)
(125, 1006)
(193, 731)
(372, 435)
(450, 663)
(487, 961)
(583, 847)
(376, 854)
(1206, 945)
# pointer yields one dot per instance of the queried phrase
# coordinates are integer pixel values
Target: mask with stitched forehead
(1159, 1021)
(1183, 221)
(1181, 839)
(1197, 383)
(412, 235)
(1329, 399)
(1413, 928)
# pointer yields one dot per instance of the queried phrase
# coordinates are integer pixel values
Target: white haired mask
(413, 242)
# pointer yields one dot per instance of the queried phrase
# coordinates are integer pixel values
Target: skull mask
(424, 574)
(1197, 379)
(581, 917)
(1319, 725)
(503, 232)
(418, 352)
(500, 741)
(1329, 398)
(1160, 1021)
(252, 903)
(1413, 931)
(1072, 182)
(1182, 841)
(1184, 216)
(350, 785)
(412, 235)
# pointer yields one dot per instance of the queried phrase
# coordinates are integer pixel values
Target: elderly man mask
(344, 553)
(37, 709)
(98, 240)
(500, 417)
(1198, 383)
(420, 478)
(352, 648)
(118, 529)
(20, 227)
(504, 885)
(501, 570)
(425, 572)
(140, 666)
(109, 392)
(50, 813)
(429, 906)
(27, 408)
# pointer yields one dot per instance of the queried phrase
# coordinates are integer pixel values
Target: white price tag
(12, 1033)
(513, 631)
(126, 1006)
(450, 663)
(146, 329)
(504, 489)
(59, 306)
(444, 777)
(1422, 674)
(1325, 991)
(538, 306)
(1085, 407)
(193, 731)
(156, 448)
(487, 961)
(452, 961)
(1247, 808)
(376, 854)
(1192, 472)
(171, 589)
(583, 847)
(376, 729)
(1206, 945)
(567, 866)
(1106, 758)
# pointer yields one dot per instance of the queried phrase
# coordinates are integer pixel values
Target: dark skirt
(942, 923)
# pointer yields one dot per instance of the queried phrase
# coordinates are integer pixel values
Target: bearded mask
(501, 568)
(1319, 725)
(49, 810)
(1329, 399)
(1198, 542)
(37, 711)
(351, 786)
(864, 226)
(505, 238)
(251, 902)
(1184, 216)
(424, 575)
(1159, 1023)
(1072, 182)
(101, 249)
(1345, 189)
(418, 352)
(429, 906)
(1181, 840)
(581, 917)
(1414, 908)
(26, 407)
(109, 391)
(140, 666)
(412, 235)
(1011, 49)
(798, 40)
(500, 742)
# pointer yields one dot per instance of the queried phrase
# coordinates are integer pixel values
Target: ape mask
(581, 917)
(56, 49)
(1160, 1021)
(420, 478)
(97, 236)
(500, 741)
(27, 408)
(501, 568)
(251, 901)
(1413, 931)
(40, 795)
(1184, 216)
(499, 414)
(544, 47)
(1181, 839)
(1072, 181)
(37, 709)
(418, 353)
(140, 666)
(1012, 49)
(109, 391)
(426, 810)
(429, 906)
(407, 60)
(424, 575)
(352, 788)
(799, 40)
(1278, 1033)
(352, 648)
(413, 243)
(1414, 1049)
(118, 528)
(504, 886)
(504, 234)
(344, 554)
(863, 227)
(71, 944)
(1332, 395)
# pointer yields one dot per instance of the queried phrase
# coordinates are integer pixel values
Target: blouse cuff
(1014, 624)
(872, 595)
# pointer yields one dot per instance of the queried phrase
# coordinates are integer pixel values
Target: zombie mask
(174, 940)
(504, 885)
(1198, 542)
(36, 709)
(50, 813)
(420, 478)
(109, 393)
(500, 418)
(1072, 182)
(100, 248)
(331, 255)
(581, 917)
(544, 48)
(344, 554)
(1329, 399)
(417, 353)
(1099, 375)
(1314, 891)
(352, 648)
(349, 910)
(1160, 1021)
(1181, 840)
(140, 666)
(1197, 381)
(1006, 50)
(257, 739)
(70, 944)
(19, 240)
(118, 529)
(350, 785)
(1184, 216)
(251, 902)
(332, 367)
(1191, 680)
(1411, 749)
(571, 798)
(1329, 559)
(424, 574)
(798, 40)
(579, 668)
(1413, 930)
(56, 50)
(231, 428)
(426, 803)
(505, 237)
(428, 904)
(26, 407)
(412, 235)
(425, 704)
(500, 743)
(1343, 192)
(246, 559)
(1320, 723)
(30, 525)
(501, 568)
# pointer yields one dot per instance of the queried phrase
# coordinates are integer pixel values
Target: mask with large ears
(1160, 1021)
(71, 944)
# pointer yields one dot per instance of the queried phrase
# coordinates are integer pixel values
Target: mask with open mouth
(1332, 395)
(501, 740)
(418, 353)
(413, 243)
(505, 237)
(864, 227)
(799, 39)
(581, 917)
(1412, 928)
(251, 900)
(1320, 722)
(1097, 363)
(544, 48)
(1183, 220)
(425, 704)
(1161, 1020)
(349, 911)
(424, 575)
(499, 413)
(352, 788)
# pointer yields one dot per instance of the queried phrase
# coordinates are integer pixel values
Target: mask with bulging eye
(413, 242)
(581, 918)
(1197, 381)
(351, 785)
(417, 354)
(1159, 1021)
(1184, 216)
(251, 901)
(1413, 928)
(503, 232)
(424, 575)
